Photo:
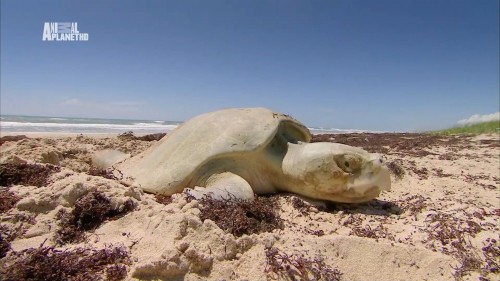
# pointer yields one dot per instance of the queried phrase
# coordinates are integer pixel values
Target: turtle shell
(170, 165)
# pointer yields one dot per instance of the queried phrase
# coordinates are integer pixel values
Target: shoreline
(66, 134)
(318, 133)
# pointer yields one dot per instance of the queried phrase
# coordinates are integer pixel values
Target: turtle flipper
(224, 186)
(106, 158)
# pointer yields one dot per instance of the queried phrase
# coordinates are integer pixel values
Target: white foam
(76, 127)
(341, 131)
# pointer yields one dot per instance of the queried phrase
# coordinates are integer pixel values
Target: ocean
(40, 124)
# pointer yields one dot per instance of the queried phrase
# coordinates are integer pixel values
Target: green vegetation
(479, 128)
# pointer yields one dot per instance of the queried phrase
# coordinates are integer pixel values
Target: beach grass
(479, 128)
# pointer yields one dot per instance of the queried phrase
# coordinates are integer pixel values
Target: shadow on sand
(373, 207)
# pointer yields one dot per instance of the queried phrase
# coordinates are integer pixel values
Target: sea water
(39, 124)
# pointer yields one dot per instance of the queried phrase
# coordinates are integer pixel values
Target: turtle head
(337, 172)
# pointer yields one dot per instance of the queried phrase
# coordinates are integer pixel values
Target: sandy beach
(61, 216)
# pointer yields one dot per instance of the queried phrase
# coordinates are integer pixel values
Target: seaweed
(467, 264)
(89, 212)
(318, 233)
(116, 272)
(240, 217)
(5, 238)
(8, 200)
(26, 174)
(375, 233)
(396, 168)
(68, 231)
(448, 156)
(12, 138)
(491, 253)
(439, 173)
(453, 233)
(282, 266)
(450, 230)
(470, 261)
(49, 263)
(105, 173)
(129, 135)
(163, 199)
(372, 207)
(422, 173)
(151, 137)
(414, 204)
(353, 219)
(4, 245)
(302, 206)
(412, 144)
(7, 235)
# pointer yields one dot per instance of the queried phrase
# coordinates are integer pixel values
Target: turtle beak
(383, 179)
(381, 173)
(374, 175)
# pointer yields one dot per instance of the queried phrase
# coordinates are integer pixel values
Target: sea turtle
(239, 152)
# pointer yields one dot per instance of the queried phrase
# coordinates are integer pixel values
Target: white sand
(170, 242)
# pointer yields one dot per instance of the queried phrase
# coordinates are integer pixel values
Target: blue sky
(361, 64)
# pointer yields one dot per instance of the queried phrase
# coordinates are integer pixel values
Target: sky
(396, 65)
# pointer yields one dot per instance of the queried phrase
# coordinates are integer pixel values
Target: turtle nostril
(383, 159)
(380, 160)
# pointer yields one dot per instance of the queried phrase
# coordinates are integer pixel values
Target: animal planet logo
(63, 31)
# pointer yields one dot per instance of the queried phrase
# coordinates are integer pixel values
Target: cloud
(71, 102)
(476, 118)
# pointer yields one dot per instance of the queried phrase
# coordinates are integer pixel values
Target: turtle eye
(351, 163)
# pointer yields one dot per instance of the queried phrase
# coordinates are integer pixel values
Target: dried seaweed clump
(282, 266)
(414, 204)
(470, 261)
(90, 212)
(396, 168)
(491, 253)
(5, 238)
(7, 235)
(49, 263)
(304, 207)
(448, 229)
(8, 199)
(375, 233)
(12, 138)
(452, 233)
(105, 173)
(240, 217)
(127, 136)
(163, 199)
(441, 174)
(26, 174)
(396, 143)
(4, 246)
(151, 137)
